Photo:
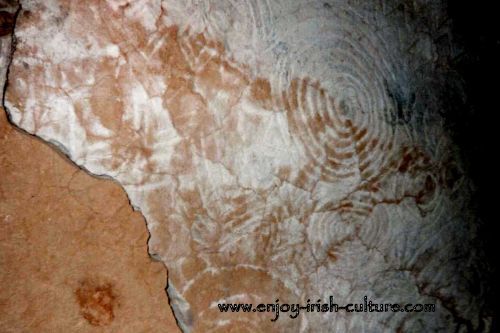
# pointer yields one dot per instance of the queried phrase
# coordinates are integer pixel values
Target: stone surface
(278, 149)
(73, 254)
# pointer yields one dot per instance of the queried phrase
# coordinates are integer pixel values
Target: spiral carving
(271, 145)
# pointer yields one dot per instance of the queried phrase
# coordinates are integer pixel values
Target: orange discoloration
(105, 102)
(97, 302)
(284, 172)
(188, 109)
(172, 53)
(182, 161)
(192, 266)
(316, 123)
(261, 93)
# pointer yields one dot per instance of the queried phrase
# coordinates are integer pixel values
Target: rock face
(278, 150)
(73, 254)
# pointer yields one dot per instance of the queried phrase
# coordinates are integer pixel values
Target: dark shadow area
(473, 121)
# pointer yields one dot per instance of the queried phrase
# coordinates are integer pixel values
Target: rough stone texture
(68, 242)
(73, 254)
(280, 149)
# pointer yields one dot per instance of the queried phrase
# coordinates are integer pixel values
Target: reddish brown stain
(97, 302)
(360, 134)
(413, 159)
(105, 101)
(426, 192)
(284, 172)
(261, 92)
(332, 254)
(405, 163)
